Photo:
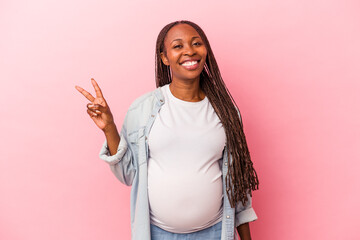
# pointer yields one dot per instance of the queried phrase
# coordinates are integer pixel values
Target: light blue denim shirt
(130, 164)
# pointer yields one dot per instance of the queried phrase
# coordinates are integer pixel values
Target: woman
(174, 145)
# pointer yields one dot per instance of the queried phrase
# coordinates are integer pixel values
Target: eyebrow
(181, 39)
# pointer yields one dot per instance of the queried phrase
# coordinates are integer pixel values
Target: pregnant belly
(184, 200)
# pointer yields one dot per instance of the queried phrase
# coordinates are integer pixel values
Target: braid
(241, 176)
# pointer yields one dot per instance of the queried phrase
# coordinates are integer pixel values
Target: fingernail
(91, 105)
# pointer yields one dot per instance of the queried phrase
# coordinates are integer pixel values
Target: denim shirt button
(145, 137)
(152, 115)
(225, 164)
(227, 216)
(161, 100)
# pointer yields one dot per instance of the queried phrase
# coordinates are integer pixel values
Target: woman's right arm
(112, 138)
(115, 149)
(99, 112)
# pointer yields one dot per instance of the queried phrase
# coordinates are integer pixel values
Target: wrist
(109, 128)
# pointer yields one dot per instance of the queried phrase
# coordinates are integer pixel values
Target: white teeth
(189, 63)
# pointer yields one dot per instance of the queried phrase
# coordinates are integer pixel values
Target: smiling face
(185, 52)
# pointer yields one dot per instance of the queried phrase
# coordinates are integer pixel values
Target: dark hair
(241, 176)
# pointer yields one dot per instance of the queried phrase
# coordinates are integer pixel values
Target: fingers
(92, 114)
(95, 108)
(97, 88)
(85, 93)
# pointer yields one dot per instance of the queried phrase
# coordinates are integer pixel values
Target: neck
(187, 90)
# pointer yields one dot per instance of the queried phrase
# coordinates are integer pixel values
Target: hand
(98, 109)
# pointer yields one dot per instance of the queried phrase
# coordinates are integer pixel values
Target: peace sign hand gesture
(98, 109)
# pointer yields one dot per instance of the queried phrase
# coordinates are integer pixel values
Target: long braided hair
(241, 177)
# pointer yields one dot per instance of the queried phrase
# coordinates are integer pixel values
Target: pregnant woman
(182, 146)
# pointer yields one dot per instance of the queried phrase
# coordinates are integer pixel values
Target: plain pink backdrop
(291, 66)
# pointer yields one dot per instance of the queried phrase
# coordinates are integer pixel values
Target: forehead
(181, 31)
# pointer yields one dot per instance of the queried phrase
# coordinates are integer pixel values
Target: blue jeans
(210, 233)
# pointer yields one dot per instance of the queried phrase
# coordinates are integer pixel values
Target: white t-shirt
(184, 176)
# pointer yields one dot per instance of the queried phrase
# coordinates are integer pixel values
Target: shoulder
(141, 109)
(146, 98)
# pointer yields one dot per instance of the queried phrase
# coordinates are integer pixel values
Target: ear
(164, 59)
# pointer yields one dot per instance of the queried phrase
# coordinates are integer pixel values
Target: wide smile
(191, 65)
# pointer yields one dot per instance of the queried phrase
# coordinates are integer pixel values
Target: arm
(115, 149)
(244, 231)
(112, 138)
(121, 159)
(243, 215)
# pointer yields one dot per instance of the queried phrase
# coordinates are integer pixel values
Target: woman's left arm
(244, 231)
(244, 214)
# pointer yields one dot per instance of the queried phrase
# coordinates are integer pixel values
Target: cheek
(174, 60)
(205, 56)
(205, 52)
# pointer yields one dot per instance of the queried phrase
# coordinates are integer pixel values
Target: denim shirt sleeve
(244, 214)
(122, 162)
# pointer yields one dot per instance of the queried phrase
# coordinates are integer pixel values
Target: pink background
(292, 67)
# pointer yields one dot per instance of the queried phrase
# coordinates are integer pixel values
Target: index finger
(97, 88)
(85, 93)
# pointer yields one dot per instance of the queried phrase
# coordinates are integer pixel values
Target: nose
(189, 50)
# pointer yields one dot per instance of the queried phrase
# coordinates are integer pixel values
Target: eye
(198, 43)
(177, 46)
